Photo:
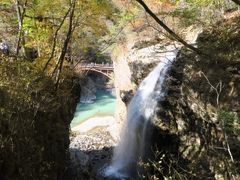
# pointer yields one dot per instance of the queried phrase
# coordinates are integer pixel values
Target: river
(104, 105)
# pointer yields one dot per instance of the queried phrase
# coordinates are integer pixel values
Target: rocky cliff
(195, 131)
(34, 122)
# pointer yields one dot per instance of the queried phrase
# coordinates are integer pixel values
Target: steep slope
(34, 122)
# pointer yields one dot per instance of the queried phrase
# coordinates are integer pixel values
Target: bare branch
(218, 90)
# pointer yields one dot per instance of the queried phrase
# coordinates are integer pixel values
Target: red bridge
(105, 69)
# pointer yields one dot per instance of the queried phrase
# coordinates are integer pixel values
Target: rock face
(88, 91)
(195, 131)
(135, 58)
(34, 123)
(188, 122)
(122, 76)
(91, 83)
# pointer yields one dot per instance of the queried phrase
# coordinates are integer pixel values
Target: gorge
(119, 90)
(135, 136)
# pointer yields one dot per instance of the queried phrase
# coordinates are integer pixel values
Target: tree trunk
(20, 16)
(55, 39)
(66, 43)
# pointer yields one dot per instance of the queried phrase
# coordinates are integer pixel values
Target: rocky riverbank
(91, 150)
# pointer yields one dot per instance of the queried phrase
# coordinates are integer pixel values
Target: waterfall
(140, 111)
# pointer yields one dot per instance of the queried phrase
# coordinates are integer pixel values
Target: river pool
(104, 105)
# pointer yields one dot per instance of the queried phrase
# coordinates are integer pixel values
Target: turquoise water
(104, 105)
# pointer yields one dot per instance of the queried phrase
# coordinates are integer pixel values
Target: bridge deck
(101, 67)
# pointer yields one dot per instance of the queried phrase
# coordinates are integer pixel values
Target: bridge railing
(94, 65)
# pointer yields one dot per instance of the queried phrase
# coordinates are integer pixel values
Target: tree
(163, 25)
(236, 1)
(82, 20)
(49, 26)
(21, 10)
(55, 39)
(66, 41)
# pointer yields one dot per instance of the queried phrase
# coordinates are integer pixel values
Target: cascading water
(140, 110)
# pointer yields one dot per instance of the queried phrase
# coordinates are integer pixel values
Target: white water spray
(140, 111)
